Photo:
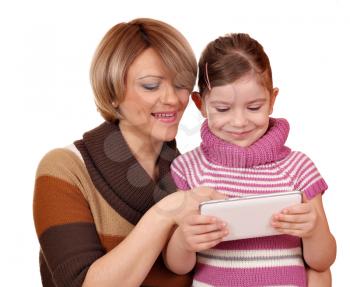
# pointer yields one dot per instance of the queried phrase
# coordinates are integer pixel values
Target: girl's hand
(180, 204)
(298, 220)
(200, 232)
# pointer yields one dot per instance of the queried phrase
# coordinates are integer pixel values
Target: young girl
(243, 153)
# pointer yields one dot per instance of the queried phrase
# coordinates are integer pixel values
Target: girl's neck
(269, 148)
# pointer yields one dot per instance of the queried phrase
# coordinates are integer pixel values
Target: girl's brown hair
(119, 48)
(228, 58)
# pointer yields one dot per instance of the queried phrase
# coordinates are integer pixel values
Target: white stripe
(188, 173)
(218, 185)
(196, 283)
(196, 171)
(251, 264)
(270, 180)
(177, 172)
(252, 253)
(305, 180)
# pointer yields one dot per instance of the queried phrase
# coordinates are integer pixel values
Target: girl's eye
(150, 87)
(254, 108)
(222, 110)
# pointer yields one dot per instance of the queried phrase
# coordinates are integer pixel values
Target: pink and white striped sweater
(267, 166)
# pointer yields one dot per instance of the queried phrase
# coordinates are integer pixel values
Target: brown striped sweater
(87, 199)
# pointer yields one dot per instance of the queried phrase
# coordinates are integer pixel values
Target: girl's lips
(165, 117)
(240, 134)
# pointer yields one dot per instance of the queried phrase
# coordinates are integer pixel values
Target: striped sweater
(87, 199)
(267, 166)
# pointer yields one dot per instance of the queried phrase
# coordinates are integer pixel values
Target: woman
(105, 206)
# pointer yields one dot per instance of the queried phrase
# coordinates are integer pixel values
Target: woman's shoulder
(61, 162)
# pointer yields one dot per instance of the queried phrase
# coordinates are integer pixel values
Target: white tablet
(250, 216)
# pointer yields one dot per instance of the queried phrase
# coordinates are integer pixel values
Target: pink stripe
(186, 172)
(196, 171)
(180, 183)
(319, 186)
(241, 277)
(249, 171)
(267, 242)
(292, 164)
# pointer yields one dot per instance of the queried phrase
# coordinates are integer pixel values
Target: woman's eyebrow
(150, 76)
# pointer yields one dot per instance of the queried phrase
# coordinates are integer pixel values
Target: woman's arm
(129, 263)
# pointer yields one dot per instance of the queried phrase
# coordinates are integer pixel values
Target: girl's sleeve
(179, 174)
(64, 224)
(308, 178)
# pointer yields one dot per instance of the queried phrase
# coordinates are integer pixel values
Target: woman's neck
(143, 148)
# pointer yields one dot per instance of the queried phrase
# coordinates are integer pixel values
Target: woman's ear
(273, 98)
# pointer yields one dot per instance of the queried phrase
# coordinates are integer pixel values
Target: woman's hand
(298, 220)
(178, 205)
(199, 232)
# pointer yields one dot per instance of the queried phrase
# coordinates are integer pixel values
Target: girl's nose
(238, 119)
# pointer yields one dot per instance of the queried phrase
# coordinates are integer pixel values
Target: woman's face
(153, 106)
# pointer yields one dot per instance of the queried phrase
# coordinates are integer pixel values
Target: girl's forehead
(245, 89)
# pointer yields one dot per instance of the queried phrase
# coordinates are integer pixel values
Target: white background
(46, 100)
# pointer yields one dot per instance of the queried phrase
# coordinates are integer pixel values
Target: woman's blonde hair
(119, 48)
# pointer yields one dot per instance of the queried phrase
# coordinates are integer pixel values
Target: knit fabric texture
(88, 198)
(267, 166)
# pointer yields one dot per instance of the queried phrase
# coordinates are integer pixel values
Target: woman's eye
(179, 87)
(254, 108)
(150, 87)
(222, 110)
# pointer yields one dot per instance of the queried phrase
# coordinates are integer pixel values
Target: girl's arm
(195, 233)
(308, 221)
(319, 247)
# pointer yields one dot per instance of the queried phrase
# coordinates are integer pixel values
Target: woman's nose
(169, 97)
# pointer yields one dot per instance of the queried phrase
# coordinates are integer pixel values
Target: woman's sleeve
(64, 224)
(307, 177)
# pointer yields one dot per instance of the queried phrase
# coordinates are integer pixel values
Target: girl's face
(153, 106)
(239, 112)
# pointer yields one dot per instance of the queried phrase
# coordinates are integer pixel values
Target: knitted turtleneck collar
(269, 148)
(117, 174)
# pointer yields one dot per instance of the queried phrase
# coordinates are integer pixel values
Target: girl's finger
(197, 219)
(207, 245)
(290, 218)
(297, 209)
(205, 228)
(212, 236)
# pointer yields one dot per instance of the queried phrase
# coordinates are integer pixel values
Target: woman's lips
(165, 117)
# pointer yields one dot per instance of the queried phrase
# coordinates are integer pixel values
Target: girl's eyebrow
(257, 101)
(219, 102)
